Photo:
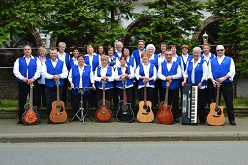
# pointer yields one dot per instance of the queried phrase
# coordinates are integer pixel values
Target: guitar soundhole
(124, 107)
(147, 108)
(59, 107)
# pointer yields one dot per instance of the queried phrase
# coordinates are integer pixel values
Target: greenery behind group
(98, 22)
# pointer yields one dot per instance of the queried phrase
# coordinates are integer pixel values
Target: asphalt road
(131, 153)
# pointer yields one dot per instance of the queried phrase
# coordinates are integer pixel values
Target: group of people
(140, 68)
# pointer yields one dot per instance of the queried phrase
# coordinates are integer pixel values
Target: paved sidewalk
(114, 131)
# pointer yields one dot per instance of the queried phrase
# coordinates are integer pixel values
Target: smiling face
(123, 61)
(126, 52)
(168, 56)
(196, 54)
(75, 53)
(53, 54)
(27, 50)
(80, 60)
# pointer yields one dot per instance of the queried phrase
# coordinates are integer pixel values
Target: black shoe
(177, 120)
(232, 122)
(49, 121)
(19, 122)
(202, 123)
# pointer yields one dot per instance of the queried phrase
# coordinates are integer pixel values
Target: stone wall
(8, 84)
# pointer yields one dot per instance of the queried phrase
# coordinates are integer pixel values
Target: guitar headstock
(31, 85)
(145, 83)
(168, 83)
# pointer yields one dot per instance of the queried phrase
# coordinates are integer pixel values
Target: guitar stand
(82, 114)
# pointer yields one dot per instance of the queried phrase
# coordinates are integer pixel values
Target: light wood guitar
(58, 113)
(145, 114)
(216, 115)
(164, 115)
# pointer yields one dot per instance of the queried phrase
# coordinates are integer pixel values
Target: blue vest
(31, 67)
(198, 72)
(190, 57)
(175, 84)
(85, 78)
(211, 56)
(114, 61)
(95, 61)
(53, 71)
(221, 70)
(109, 73)
(72, 63)
(67, 60)
(154, 61)
(128, 81)
(131, 61)
(136, 56)
(116, 55)
(142, 73)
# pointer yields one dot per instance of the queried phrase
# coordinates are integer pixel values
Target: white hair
(62, 44)
(197, 48)
(150, 46)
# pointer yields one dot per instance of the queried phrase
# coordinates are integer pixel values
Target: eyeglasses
(220, 50)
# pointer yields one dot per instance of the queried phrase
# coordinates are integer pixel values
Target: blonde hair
(42, 49)
(104, 57)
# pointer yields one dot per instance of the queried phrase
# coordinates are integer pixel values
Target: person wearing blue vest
(104, 73)
(80, 76)
(223, 70)
(170, 71)
(27, 70)
(53, 70)
(41, 81)
(146, 72)
(119, 46)
(137, 53)
(75, 53)
(130, 60)
(153, 59)
(92, 59)
(207, 56)
(66, 58)
(114, 62)
(196, 72)
(125, 72)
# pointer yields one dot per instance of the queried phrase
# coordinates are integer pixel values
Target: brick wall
(8, 84)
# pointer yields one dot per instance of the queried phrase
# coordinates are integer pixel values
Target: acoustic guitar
(216, 116)
(30, 116)
(145, 114)
(164, 115)
(104, 114)
(125, 112)
(58, 113)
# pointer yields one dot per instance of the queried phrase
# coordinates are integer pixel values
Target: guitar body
(145, 114)
(58, 113)
(164, 115)
(30, 116)
(125, 112)
(216, 116)
(104, 114)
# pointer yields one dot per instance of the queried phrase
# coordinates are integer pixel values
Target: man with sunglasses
(223, 71)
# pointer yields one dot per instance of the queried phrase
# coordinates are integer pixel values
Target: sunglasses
(220, 50)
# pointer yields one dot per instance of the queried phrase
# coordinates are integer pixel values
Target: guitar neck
(57, 86)
(31, 96)
(217, 97)
(145, 99)
(103, 93)
(166, 96)
(124, 92)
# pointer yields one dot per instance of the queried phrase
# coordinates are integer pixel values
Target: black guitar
(125, 112)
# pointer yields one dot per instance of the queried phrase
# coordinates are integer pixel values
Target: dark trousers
(149, 94)
(108, 95)
(41, 95)
(173, 99)
(202, 95)
(51, 95)
(226, 89)
(23, 92)
(76, 102)
(64, 92)
(210, 92)
(129, 94)
(92, 99)
(115, 96)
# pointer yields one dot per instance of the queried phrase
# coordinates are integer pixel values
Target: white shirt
(231, 72)
(81, 70)
(146, 71)
(42, 79)
(20, 76)
(178, 75)
(46, 75)
(103, 72)
(123, 71)
(204, 74)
